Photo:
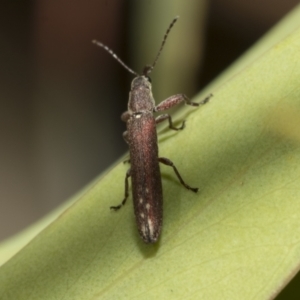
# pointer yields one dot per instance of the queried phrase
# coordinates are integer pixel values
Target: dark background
(61, 96)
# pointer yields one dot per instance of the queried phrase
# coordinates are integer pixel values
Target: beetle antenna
(114, 55)
(148, 69)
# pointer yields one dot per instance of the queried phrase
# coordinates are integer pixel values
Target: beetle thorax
(140, 96)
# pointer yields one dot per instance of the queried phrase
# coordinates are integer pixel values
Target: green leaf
(238, 238)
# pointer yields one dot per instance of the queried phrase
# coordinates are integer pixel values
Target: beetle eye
(149, 79)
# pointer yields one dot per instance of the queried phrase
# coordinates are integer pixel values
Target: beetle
(141, 137)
